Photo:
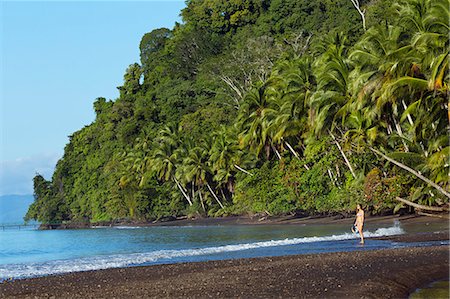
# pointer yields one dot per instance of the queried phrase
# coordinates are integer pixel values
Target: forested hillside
(272, 106)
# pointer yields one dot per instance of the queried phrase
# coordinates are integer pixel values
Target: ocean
(31, 252)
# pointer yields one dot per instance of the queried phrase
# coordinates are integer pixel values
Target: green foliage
(380, 192)
(266, 107)
(222, 16)
(264, 192)
(131, 80)
(48, 206)
(152, 47)
(318, 17)
(206, 120)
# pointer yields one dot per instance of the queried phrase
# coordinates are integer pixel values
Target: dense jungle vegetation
(268, 106)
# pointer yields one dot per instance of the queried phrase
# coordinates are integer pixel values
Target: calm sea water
(27, 253)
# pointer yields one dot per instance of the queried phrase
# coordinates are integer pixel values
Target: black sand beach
(389, 273)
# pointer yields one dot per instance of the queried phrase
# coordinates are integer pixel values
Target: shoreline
(385, 273)
(382, 273)
(266, 220)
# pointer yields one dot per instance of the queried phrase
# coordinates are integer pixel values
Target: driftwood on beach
(420, 208)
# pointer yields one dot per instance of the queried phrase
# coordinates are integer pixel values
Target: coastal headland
(387, 273)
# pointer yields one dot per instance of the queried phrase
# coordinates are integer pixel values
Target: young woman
(359, 222)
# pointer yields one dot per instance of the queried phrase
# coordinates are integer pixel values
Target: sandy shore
(389, 273)
(263, 220)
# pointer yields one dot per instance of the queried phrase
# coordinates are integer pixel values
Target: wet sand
(346, 219)
(388, 273)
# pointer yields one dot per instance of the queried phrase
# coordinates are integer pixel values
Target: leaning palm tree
(133, 165)
(332, 70)
(227, 159)
(253, 120)
(403, 89)
(195, 169)
(293, 83)
(424, 88)
(222, 157)
(166, 157)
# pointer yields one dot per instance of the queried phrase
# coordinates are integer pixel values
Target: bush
(264, 192)
(380, 192)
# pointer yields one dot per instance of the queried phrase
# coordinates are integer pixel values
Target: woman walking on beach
(359, 222)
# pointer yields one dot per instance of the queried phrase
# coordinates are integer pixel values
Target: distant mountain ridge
(14, 207)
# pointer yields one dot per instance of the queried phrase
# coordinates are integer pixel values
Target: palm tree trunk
(411, 122)
(201, 199)
(223, 194)
(182, 191)
(338, 173)
(400, 133)
(214, 195)
(421, 207)
(343, 155)
(295, 154)
(267, 149)
(425, 152)
(276, 151)
(292, 150)
(230, 186)
(331, 176)
(389, 129)
(410, 170)
(243, 170)
(334, 178)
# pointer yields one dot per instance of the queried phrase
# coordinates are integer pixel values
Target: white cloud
(16, 176)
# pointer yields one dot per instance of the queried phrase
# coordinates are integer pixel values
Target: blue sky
(57, 57)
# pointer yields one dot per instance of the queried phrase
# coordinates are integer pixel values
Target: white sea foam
(117, 227)
(127, 227)
(123, 260)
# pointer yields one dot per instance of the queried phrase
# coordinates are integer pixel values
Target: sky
(56, 58)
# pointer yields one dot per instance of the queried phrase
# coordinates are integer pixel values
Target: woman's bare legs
(360, 230)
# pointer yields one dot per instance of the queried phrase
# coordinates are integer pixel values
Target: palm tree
(404, 70)
(227, 159)
(166, 157)
(253, 120)
(131, 178)
(426, 84)
(293, 82)
(223, 155)
(195, 168)
(332, 71)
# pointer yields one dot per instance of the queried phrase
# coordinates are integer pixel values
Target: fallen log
(434, 215)
(412, 171)
(422, 207)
